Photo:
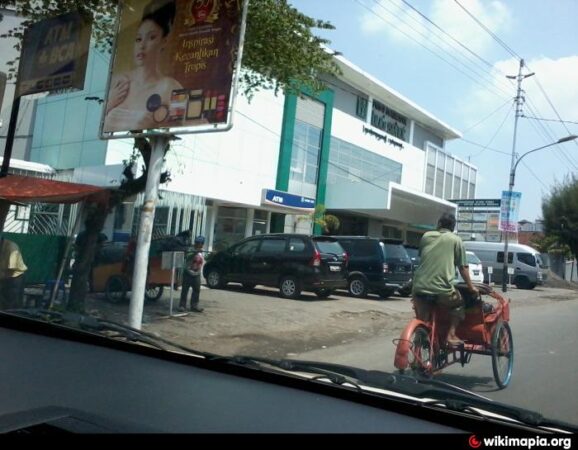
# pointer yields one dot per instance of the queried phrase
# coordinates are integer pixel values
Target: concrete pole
(139, 277)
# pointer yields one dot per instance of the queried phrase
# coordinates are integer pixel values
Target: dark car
(291, 262)
(413, 253)
(376, 265)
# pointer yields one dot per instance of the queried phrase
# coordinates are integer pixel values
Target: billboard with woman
(173, 65)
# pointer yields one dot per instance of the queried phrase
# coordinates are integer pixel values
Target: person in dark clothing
(192, 277)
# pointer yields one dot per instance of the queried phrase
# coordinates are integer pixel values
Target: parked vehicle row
(321, 264)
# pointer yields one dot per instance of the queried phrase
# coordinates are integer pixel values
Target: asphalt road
(545, 357)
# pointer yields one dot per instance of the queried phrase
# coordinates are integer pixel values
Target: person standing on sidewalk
(12, 270)
(192, 277)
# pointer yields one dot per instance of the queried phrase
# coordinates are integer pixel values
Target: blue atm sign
(286, 200)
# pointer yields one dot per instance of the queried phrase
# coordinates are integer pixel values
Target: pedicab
(112, 272)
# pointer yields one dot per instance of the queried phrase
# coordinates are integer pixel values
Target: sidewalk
(262, 323)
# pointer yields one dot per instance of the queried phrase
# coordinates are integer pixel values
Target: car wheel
(153, 292)
(405, 291)
(289, 287)
(522, 283)
(357, 287)
(385, 293)
(324, 292)
(116, 288)
(214, 279)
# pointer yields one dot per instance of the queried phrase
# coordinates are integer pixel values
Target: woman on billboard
(138, 99)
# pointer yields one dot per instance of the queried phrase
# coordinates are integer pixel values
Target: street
(359, 332)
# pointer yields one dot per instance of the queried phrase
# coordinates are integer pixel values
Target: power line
(427, 48)
(495, 134)
(496, 38)
(487, 117)
(449, 35)
(548, 120)
(485, 147)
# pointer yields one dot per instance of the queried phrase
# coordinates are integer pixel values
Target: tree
(281, 52)
(328, 222)
(560, 212)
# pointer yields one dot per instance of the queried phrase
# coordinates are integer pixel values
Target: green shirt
(441, 252)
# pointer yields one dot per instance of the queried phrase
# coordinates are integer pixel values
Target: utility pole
(519, 103)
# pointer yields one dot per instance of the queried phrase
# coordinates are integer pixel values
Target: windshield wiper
(103, 327)
(437, 393)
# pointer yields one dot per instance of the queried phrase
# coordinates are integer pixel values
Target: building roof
(367, 83)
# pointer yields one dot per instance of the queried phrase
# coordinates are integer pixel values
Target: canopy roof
(21, 189)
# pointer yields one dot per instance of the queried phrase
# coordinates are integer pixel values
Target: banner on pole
(509, 211)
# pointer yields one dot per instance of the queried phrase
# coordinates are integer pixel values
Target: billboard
(173, 66)
(509, 211)
(54, 55)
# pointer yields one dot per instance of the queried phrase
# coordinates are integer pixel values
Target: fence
(571, 272)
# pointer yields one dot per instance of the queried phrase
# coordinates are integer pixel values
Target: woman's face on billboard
(148, 44)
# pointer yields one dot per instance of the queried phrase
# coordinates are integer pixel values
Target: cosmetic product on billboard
(195, 104)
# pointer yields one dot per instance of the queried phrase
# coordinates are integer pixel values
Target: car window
(296, 245)
(331, 247)
(394, 251)
(272, 246)
(500, 257)
(247, 248)
(527, 258)
(365, 248)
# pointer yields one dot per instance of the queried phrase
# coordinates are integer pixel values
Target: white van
(526, 261)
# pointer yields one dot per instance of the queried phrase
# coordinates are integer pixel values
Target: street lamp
(511, 187)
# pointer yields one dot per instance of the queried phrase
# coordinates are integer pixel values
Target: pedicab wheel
(502, 354)
(116, 288)
(153, 292)
(419, 357)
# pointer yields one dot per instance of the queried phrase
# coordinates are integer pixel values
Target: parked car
(375, 265)
(291, 262)
(475, 268)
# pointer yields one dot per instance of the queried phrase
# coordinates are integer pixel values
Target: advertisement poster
(173, 64)
(54, 55)
(509, 211)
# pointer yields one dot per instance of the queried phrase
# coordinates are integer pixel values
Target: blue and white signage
(289, 201)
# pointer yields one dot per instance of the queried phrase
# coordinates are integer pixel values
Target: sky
(452, 57)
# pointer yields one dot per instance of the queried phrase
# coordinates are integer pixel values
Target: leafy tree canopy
(560, 212)
(281, 49)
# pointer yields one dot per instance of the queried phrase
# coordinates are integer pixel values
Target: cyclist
(441, 251)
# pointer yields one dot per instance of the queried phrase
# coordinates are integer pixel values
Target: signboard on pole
(175, 66)
(54, 55)
(509, 211)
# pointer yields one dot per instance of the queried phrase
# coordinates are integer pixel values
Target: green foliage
(560, 212)
(549, 244)
(281, 50)
(329, 223)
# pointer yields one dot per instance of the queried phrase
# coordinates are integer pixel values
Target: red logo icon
(474, 442)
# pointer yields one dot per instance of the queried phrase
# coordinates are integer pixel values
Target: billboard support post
(139, 278)
(10, 136)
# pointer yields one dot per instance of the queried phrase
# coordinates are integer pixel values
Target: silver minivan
(526, 262)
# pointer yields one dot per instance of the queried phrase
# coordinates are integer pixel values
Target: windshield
(394, 251)
(202, 204)
(472, 258)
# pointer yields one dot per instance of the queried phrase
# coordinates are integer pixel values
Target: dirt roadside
(261, 323)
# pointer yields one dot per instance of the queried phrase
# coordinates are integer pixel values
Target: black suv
(376, 265)
(291, 262)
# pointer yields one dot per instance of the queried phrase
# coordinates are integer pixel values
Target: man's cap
(200, 240)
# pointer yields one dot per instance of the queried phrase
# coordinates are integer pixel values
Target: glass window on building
(229, 227)
(260, 222)
(391, 232)
(305, 159)
(439, 183)
(361, 109)
(349, 163)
